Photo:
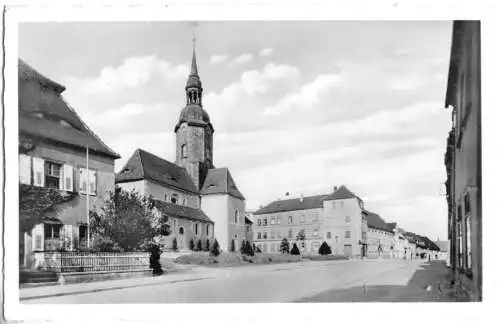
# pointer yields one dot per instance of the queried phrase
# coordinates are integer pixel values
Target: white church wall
(216, 207)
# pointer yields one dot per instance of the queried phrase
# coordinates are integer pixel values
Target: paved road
(261, 283)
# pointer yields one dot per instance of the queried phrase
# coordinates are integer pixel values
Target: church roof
(194, 78)
(143, 165)
(175, 210)
(194, 114)
(50, 116)
(220, 181)
(310, 202)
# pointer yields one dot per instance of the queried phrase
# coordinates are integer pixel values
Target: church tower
(194, 132)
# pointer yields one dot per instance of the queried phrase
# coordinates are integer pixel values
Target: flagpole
(88, 197)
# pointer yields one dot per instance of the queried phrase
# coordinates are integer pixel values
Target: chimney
(301, 198)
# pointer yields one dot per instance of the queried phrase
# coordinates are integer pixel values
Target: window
(82, 232)
(290, 220)
(290, 233)
(53, 175)
(316, 217)
(315, 233)
(302, 218)
(273, 235)
(24, 169)
(264, 235)
(84, 176)
(259, 222)
(328, 235)
(347, 234)
(278, 220)
(52, 231)
(336, 239)
(166, 197)
(165, 229)
(259, 235)
(196, 229)
(264, 221)
(183, 151)
(174, 198)
(315, 246)
(273, 248)
(348, 219)
(272, 220)
(236, 216)
(181, 230)
(207, 229)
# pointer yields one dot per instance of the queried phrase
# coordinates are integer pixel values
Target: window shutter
(38, 237)
(83, 180)
(93, 182)
(38, 172)
(24, 169)
(68, 178)
(61, 177)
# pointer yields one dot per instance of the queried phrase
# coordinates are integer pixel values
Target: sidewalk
(429, 283)
(89, 287)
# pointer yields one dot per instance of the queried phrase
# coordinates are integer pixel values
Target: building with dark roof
(336, 218)
(53, 146)
(192, 181)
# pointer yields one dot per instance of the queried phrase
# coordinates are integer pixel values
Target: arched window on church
(236, 216)
(166, 197)
(183, 151)
(174, 198)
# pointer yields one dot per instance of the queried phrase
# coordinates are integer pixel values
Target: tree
(284, 246)
(232, 247)
(207, 245)
(198, 246)
(242, 247)
(295, 250)
(174, 244)
(129, 220)
(215, 251)
(191, 244)
(325, 249)
(248, 249)
(301, 237)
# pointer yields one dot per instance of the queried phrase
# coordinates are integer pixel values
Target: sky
(297, 107)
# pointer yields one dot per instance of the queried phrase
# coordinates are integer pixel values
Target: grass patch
(230, 259)
(317, 257)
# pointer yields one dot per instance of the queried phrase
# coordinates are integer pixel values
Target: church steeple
(193, 85)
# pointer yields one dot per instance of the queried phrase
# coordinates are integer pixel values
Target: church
(201, 201)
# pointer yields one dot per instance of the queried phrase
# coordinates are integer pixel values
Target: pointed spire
(194, 66)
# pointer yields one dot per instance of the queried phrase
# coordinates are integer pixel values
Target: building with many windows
(336, 218)
(205, 196)
(463, 158)
(53, 175)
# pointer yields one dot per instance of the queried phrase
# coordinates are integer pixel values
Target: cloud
(266, 52)
(243, 58)
(408, 82)
(218, 58)
(308, 95)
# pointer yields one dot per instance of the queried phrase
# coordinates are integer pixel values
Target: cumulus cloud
(243, 58)
(218, 58)
(308, 95)
(266, 52)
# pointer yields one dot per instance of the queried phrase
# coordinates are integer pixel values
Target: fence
(92, 262)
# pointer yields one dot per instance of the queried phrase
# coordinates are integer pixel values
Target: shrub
(243, 247)
(246, 249)
(215, 251)
(191, 244)
(295, 250)
(325, 249)
(284, 246)
(232, 248)
(198, 246)
(174, 244)
(207, 245)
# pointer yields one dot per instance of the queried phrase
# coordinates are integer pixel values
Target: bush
(154, 259)
(198, 246)
(246, 249)
(325, 249)
(191, 244)
(174, 244)
(215, 251)
(207, 245)
(243, 247)
(284, 246)
(232, 248)
(295, 250)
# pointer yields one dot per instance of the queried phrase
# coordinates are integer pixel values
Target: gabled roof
(220, 181)
(375, 221)
(175, 210)
(143, 165)
(342, 193)
(311, 202)
(49, 116)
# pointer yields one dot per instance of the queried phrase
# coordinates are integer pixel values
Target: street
(310, 281)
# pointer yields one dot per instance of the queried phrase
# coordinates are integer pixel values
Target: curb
(109, 288)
